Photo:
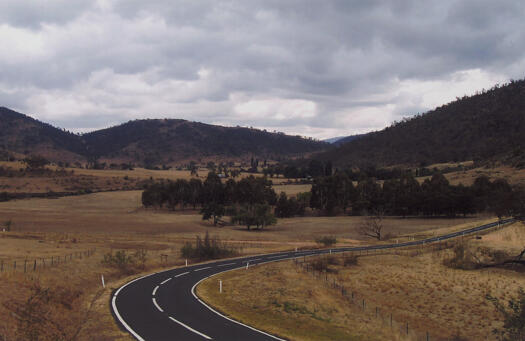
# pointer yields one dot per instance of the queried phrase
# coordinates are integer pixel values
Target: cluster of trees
(248, 201)
(405, 196)
(315, 168)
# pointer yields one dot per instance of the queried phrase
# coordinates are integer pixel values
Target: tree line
(405, 196)
(252, 202)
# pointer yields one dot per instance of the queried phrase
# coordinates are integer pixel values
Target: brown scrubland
(417, 288)
(69, 292)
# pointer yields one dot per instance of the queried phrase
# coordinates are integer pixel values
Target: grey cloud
(337, 54)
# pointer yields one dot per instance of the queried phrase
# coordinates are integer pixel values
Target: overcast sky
(315, 68)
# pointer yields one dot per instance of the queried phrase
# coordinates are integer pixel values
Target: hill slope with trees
(148, 142)
(25, 135)
(162, 141)
(487, 126)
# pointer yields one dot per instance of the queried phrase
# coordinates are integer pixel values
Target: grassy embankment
(448, 303)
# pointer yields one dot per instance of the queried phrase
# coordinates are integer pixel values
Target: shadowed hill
(167, 140)
(22, 134)
(148, 142)
(486, 126)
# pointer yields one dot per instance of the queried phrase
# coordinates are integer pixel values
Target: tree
(36, 162)
(213, 210)
(7, 225)
(373, 225)
(259, 215)
(514, 317)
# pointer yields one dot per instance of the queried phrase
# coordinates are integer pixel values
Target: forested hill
(159, 141)
(24, 135)
(486, 126)
(148, 142)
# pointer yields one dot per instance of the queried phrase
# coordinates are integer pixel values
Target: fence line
(40, 263)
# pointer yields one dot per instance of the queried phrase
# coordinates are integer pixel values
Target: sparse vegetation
(207, 248)
(326, 241)
(514, 317)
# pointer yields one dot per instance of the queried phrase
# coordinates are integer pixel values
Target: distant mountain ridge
(150, 141)
(486, 126)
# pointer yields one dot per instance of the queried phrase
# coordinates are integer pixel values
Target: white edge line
(155, 290)
(156, 305)
(114, 305)
(165, 281)
(226, 317)
(208, 267)
(191, 329)
(182, 274)
(226, 264)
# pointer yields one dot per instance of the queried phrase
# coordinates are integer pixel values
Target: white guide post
(103, 283)
(220, 286)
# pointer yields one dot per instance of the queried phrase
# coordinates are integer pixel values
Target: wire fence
(382, 316)
(399, 326)
(41, 263)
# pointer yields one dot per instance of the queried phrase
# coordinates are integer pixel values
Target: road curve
(164, 306)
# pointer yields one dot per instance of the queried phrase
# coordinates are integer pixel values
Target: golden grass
(292, 190)
(419, 290)
(115, 221)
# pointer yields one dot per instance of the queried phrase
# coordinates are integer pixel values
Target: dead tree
(373, 226)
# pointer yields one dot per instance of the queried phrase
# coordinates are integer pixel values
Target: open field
(512, 175)
(81, 179)
(111, 221)
(112, 213)
(420, 290)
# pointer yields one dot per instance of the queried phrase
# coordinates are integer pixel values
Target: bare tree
(373, 225)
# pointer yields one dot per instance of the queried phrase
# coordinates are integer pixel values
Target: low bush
(208, 248)
(126, 262)
(326, 241)
(350, 260)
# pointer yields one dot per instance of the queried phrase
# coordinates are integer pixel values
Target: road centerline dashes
(208, 267)
(156, 305)
(182, 274)
(155, 290)
(191, 329)
(165, 281)
(226, 264)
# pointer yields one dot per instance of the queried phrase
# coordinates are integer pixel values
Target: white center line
(191, 329)
(226, 264)
(277, 256)
(252, 260)
(164, 282)
(182, 274)
(155, 290)
(156, 305)
(208, 267)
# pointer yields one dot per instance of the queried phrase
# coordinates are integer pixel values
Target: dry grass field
(512, 175)
(418, 289)
(111, 221)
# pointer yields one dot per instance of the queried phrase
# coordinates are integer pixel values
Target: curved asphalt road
(163, 305)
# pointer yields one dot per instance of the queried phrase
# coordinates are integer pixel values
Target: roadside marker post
(247, 264)
(220, 286)
(186, 262)
(103, 283)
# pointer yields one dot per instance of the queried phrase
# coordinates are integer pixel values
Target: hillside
(148, 142)
(486, 126)
(24, 135)
(155, 141)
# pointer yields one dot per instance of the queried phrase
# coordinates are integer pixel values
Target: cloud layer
(316, 68)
